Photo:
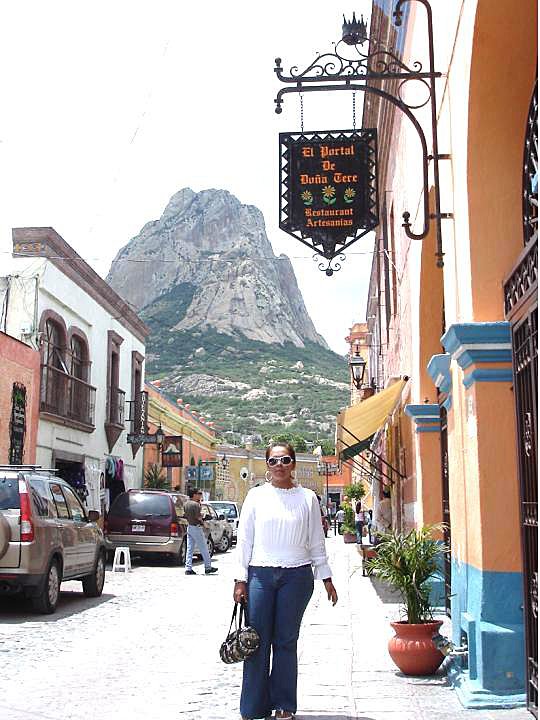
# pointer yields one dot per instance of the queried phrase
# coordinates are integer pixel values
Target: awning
(356, 425)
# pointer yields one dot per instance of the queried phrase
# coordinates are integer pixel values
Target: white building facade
(92, 347)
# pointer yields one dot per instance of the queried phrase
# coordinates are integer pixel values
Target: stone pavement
(148, 650)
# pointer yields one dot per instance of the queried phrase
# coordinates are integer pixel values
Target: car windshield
(9, 494)
(141, 506)
(225, 509)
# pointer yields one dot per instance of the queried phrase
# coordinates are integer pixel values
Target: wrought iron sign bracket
(348, 68)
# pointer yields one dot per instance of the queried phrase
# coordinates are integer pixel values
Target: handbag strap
(244, 613)
(242, 616)
(233, 619)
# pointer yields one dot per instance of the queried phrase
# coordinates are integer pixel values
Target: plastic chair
(122, 560)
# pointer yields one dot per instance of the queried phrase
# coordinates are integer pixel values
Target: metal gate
(521, 307)
(446, 510)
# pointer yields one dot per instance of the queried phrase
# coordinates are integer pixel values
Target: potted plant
(406, 561)
(348, 529)
(154, 477)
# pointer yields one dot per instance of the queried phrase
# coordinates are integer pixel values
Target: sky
(109, 108)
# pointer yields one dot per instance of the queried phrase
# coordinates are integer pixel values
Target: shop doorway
(73, 473)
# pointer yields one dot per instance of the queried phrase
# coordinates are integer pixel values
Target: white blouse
(281, 528)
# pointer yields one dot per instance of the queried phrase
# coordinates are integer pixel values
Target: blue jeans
(195, 536)
(359, 527)
(277, 599)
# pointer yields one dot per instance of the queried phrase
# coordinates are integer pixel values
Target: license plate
(137, 527)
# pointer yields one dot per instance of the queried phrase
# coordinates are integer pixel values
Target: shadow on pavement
(385, 593)
(18, 610)
(160, 561)
(332, 716)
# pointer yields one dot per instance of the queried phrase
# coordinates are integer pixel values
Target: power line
(176, 260)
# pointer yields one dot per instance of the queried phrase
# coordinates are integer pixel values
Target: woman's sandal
(284, 715)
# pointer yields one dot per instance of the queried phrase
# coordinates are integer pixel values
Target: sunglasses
(284, 460)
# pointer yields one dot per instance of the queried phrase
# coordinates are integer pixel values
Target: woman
(359, 521)
(280, 538)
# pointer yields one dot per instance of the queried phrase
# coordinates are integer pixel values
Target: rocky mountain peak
(216, 250)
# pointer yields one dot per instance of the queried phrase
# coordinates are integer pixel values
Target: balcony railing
(116, 401)
(67, 396)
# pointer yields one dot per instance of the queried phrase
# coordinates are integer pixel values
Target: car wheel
(210, 545)
(47, 600)
(92, 585)
(224, 543)
(179, 558)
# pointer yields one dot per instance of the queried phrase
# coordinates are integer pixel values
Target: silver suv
(46, 536)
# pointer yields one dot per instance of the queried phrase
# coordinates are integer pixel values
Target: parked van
(46, 536)
(150, 522)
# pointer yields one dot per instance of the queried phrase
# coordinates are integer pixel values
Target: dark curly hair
(288, 447)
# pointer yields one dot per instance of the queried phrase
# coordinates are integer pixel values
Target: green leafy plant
(154, 477)
(406, 561)
(356, 491)
(348, 523)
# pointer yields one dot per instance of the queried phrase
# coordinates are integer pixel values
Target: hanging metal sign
(172, 454)
(328, 188)
(17, 424)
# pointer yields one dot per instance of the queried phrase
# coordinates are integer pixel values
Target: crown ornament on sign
(354, 31)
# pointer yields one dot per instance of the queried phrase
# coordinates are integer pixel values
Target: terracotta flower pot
(412, 648)
(349, 537)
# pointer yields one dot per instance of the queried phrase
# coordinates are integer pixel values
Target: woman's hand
(330, 591)
(240, 592)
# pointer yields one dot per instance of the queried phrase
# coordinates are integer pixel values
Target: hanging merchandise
(114, 477)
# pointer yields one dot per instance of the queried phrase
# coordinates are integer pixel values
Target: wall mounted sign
(141, 439)
(17, 424)
(171, 455)
(328, 188)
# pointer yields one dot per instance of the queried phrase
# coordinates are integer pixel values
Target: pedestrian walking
(340, 519)
(369, 519)
(195, 534)
(280, 540)
(359, 520)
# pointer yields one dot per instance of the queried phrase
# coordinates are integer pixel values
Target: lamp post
(358, 367)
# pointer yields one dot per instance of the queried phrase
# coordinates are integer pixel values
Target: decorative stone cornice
(486, 344)
(426, 417)
(439, 370)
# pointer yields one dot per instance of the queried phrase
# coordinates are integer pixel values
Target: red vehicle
(150, 522)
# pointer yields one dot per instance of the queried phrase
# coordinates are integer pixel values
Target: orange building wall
(502, 75)
(19, 363)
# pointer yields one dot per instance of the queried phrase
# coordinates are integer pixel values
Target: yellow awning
(356, 425)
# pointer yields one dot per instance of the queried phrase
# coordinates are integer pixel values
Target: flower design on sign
(328, 194)
(307, 197)
(349, 195)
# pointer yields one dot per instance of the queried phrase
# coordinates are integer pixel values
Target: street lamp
(160, 437)
(358, 367)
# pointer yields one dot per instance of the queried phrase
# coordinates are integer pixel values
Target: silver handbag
(242, 642)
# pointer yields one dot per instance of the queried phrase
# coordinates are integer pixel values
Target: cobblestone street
(148, 649)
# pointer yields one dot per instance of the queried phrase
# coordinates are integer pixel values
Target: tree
(356, 491)
(298, 442)
(327, 447)
(154, 477)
